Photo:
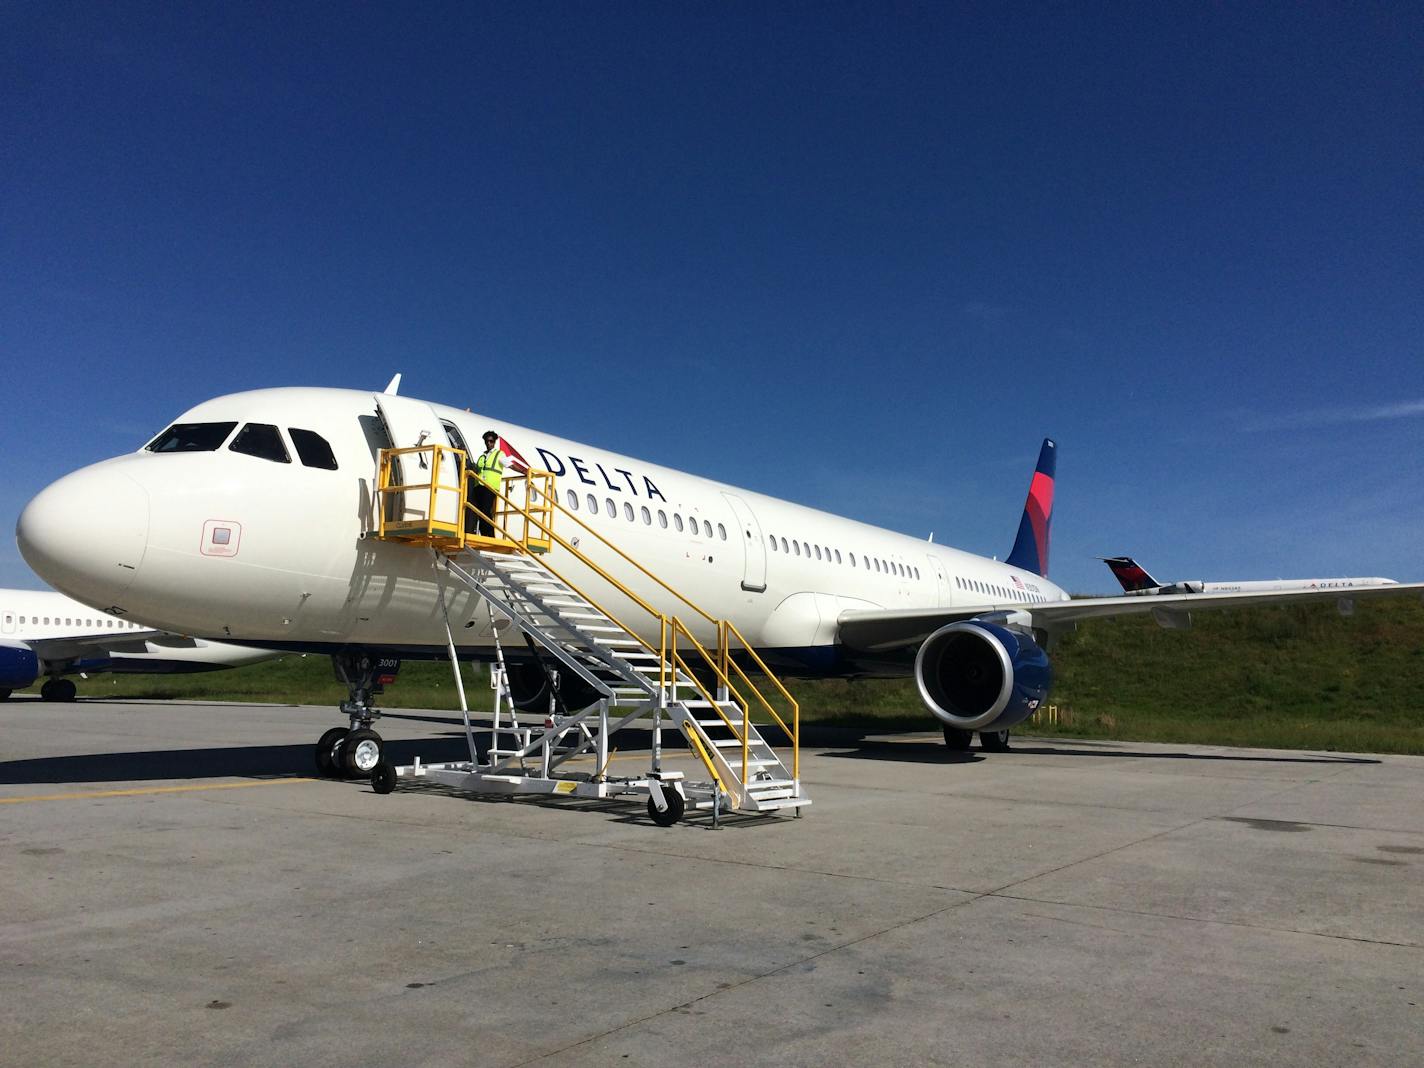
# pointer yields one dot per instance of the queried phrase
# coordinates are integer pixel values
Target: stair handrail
(434, 486)
(726, 628)
(721, 664)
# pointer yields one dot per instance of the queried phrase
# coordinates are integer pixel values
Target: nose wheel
(347, 754)
(361, 752)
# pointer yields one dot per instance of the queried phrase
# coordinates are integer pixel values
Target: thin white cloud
(1304, 420)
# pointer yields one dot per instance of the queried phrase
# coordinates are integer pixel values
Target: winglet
(1030, 552)
(393, 386)
(1130, 574)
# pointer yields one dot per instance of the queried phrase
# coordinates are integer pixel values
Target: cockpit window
(312, 449)
(191, 437)
(261, 440)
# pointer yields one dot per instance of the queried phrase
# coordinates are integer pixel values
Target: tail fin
(1030, 551)
(1130, 574)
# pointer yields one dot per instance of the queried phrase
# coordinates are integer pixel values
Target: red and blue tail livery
(1030, 552)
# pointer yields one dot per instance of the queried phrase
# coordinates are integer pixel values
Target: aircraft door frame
(409, 423)
(753, 544)
(946, 594)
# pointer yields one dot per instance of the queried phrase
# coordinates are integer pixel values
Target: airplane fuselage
(241, 547)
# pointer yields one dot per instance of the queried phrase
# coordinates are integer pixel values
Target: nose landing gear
(355, 752)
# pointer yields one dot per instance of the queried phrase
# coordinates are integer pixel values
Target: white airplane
(251, 518)
(48, 635)
(1136, 581)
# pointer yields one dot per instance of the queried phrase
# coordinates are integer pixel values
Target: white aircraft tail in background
(1136, 581)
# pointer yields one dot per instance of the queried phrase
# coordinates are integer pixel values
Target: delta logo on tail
(1030, 552)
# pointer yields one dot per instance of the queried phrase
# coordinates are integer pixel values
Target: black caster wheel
(675, 808)
(383, 778)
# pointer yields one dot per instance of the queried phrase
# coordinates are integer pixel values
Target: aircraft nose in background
(86, 534)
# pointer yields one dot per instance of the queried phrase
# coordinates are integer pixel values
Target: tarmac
(177, 888)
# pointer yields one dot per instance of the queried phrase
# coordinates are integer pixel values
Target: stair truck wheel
(675, 808)
(328, 752)
(383, 778)
(361, 752)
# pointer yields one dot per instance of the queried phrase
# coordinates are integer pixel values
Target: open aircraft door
(411, 423)
(754, 570)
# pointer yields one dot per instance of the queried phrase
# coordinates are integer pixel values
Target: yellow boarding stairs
(646, 664)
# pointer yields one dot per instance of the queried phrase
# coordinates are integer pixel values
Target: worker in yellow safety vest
(485, 482)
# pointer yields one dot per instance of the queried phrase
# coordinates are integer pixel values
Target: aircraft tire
(361, 753)
(956, 740)
(328, 752)
(994, 741)
(383, 778)
(675, 808)
(57, 690)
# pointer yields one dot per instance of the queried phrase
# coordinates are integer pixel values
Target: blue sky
(861, 256)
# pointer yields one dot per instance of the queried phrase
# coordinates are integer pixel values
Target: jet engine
(18, 667)
(979, 676)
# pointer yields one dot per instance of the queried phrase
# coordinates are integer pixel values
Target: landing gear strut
(355, 751)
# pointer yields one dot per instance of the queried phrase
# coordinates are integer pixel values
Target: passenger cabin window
(191, 437)
(312, 449)
(262, 441)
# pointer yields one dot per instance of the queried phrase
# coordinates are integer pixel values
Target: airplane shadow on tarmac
(257, 762)
(260, 761)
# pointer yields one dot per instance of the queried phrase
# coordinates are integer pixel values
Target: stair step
(770, 785)
(775, 805)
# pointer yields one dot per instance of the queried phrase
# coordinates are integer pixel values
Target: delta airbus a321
(255, 519)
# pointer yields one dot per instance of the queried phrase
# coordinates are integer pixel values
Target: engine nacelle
(980, 676)
(18, 666)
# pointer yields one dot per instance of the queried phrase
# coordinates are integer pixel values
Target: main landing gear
(354, 752)
(57, 690)
(958, 741)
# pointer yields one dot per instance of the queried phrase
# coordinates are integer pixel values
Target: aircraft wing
(92, 646)
(886, 631)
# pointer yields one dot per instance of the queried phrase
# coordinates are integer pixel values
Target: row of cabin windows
(101, 624)
(990, 590)
(262, 440)
(610, 508)
(826, 553)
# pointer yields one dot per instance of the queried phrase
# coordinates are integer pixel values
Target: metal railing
(530, 528)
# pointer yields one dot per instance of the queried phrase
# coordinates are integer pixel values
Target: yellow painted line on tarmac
(149, 790)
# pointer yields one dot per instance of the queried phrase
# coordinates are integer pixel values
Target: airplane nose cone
(86, 534)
